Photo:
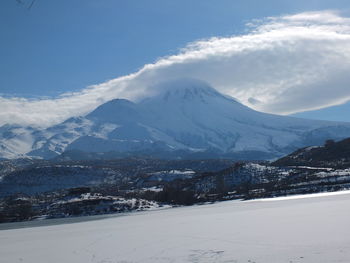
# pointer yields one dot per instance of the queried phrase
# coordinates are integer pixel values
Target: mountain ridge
(186, 116)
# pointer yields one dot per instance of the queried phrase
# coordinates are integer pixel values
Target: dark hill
(332, 154)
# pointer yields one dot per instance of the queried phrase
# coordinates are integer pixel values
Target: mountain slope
(188, 117)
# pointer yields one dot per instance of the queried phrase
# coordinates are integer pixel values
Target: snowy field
(311, 229)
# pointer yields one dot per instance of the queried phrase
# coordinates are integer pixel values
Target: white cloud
(282, 65)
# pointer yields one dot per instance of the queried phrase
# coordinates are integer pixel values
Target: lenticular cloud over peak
(282, 65)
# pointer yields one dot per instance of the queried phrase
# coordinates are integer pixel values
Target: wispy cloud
(282, 65)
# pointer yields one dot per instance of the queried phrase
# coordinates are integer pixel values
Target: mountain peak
(117, 110)
(186, 89)
(188, 115)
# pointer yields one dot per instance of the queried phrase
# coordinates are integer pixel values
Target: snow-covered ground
(292, 230)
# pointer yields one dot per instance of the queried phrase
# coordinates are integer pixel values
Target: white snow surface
(298, 230)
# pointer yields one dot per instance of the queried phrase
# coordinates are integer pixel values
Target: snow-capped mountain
(187, 117)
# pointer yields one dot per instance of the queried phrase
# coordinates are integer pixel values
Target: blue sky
(64, 46)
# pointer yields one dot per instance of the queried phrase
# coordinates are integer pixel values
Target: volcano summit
(188, 119)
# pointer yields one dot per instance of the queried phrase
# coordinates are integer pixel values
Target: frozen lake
(311, 229)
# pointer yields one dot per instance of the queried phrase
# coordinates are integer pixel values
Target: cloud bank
(282, 65)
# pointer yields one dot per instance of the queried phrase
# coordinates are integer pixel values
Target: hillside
(52, 189)
(332, 154)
